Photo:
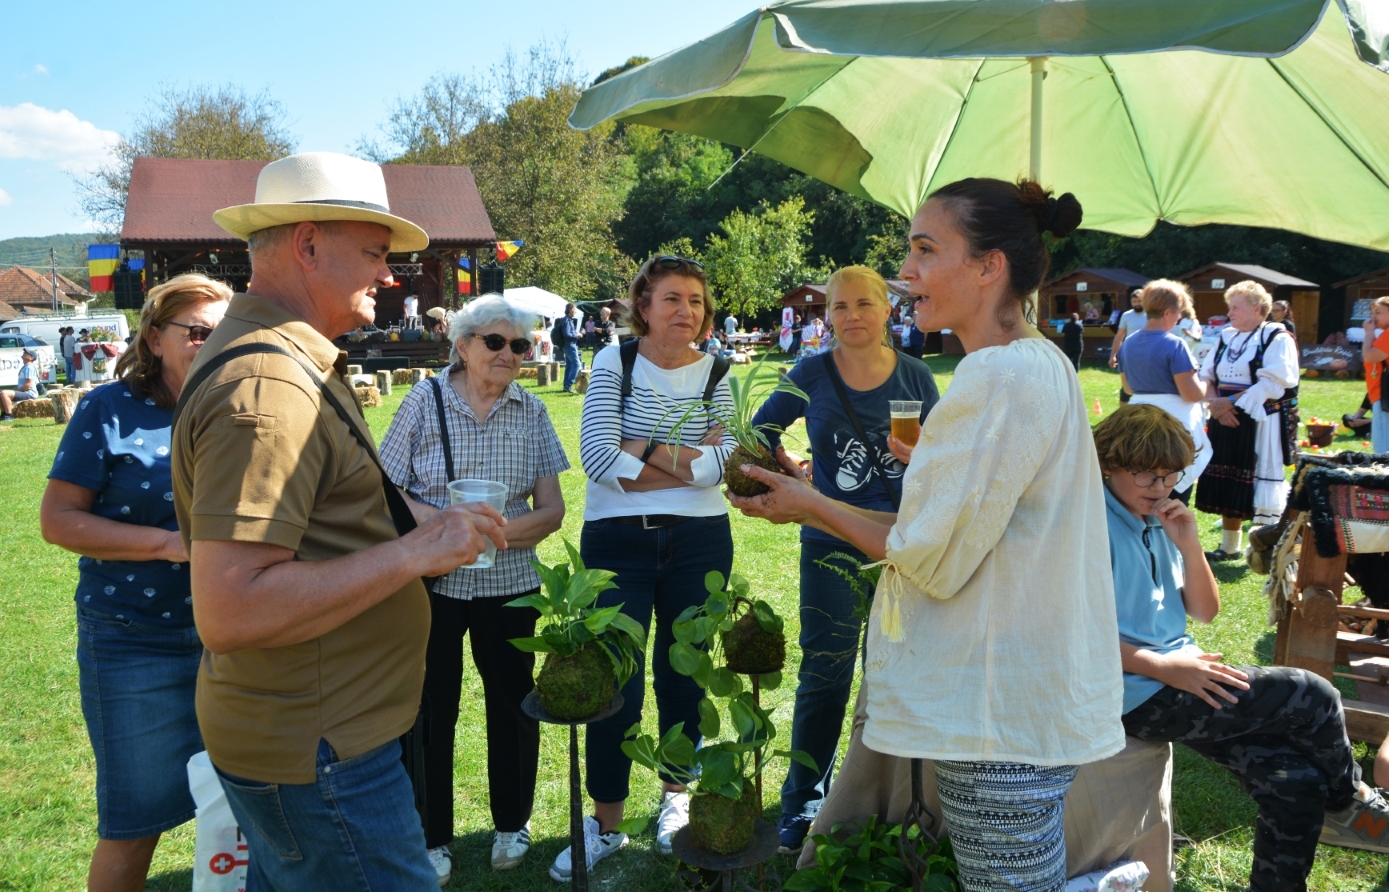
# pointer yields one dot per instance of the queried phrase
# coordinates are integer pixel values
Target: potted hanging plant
(737, 732)
(753, 447)
(590, 651)
(855, 857)
(747, 632)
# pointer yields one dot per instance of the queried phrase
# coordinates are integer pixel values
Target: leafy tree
(194, 122)
(557, 188)
(760, 256)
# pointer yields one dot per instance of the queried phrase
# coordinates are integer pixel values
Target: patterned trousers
(1285, 741)
(1005, 823)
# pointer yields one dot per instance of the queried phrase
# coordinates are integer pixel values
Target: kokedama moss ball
(576, 687)
(752, 650)
(740, 484)
(722, 825)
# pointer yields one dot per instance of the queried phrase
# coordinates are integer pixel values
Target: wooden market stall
(1359, 292)
(1208, 284)
(168, 218)
(1105, 288)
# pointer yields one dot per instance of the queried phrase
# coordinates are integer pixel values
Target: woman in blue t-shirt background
(846, 469)
(110, 499)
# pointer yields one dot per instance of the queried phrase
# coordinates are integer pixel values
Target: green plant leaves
(800, 756)
(770, 681)
(766, 616)
(708, 719)
(713, 582)
(531, 645)
(724, 683)
(632, 826)
(684, 658)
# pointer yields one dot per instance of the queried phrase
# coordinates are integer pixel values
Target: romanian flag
(465, 285)
(102, 261)
(506, 249)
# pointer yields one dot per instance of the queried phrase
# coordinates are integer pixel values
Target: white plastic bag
(219, 856)
(1122, 876)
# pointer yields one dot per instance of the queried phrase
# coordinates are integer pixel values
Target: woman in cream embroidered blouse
(991, 639)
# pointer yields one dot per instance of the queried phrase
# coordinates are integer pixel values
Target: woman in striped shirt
(654, 516)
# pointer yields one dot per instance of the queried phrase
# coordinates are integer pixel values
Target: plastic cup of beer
(906, 420)
(493, 494)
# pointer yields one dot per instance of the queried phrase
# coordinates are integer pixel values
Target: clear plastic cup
(494, 494)
(906, 420)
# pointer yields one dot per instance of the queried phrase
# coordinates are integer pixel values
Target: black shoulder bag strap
(400, 511)
(833, 371)
(443, 428)
(628, 353)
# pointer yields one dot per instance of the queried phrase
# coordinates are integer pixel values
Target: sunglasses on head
(496, 342)
(197, 334)
(670, 261)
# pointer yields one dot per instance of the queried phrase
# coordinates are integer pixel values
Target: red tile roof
(21, 286)
(172, 200)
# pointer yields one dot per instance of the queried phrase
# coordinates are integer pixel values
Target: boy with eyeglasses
(1280, 731)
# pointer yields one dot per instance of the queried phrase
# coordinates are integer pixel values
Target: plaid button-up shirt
(516, 445)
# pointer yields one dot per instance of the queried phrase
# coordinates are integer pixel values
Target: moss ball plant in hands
(753, 447)
(590, 651)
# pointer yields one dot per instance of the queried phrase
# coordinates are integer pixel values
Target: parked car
(12, 347)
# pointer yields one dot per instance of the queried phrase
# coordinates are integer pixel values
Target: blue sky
(84, 71)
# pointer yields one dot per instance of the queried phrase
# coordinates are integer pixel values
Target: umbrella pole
(1039, 73)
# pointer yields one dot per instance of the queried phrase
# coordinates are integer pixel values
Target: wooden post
(417, 375)
(383, 383)
(1307, 633)
(542, 374)
(64, 404)
(354, 370)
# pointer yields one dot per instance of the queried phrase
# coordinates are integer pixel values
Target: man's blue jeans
(829, 647)
(571, 364)
(355, 828)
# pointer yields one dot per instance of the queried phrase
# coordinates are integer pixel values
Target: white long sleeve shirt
(999, 580)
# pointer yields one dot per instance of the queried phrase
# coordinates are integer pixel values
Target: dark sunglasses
(197, 334)
(670, 261)
(496, 342)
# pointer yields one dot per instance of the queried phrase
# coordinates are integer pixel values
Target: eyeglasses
(1146, 479)
(496, 342)
(670, 261)
(197, 334)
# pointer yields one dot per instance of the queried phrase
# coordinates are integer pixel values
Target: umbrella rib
(954, 127)
(1329, 126)
(1133, 128)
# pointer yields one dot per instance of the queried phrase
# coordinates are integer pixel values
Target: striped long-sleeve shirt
(655, 392)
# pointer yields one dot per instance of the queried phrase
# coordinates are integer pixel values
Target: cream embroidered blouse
(998, 591)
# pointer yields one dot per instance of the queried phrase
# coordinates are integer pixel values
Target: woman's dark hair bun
(1063, 215)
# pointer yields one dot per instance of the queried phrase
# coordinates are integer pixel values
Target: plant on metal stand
(591, 651)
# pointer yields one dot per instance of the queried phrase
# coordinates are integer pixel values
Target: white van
(12, 347)
(46, 327)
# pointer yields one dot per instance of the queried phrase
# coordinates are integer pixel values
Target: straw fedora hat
(319, 187)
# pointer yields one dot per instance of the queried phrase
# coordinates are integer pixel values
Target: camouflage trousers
(1285, 740)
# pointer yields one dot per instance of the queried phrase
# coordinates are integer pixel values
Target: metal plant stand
(922, 818)
(704, 871)
(578, 859)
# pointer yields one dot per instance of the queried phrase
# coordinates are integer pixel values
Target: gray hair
(264, 241)
(485, 312)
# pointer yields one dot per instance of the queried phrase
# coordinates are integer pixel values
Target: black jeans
(1074, 357)
(1285, 741)
(513, 738)
(659, 572)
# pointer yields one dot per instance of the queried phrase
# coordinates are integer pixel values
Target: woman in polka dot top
(110, 500)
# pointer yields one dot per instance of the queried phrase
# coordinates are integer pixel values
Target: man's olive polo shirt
(258, 456)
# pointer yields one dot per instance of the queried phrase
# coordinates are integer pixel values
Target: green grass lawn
(47, 805)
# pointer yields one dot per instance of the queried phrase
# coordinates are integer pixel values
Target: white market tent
(536, 300)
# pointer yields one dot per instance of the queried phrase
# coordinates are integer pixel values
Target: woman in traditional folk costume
(1253, 429)
(1005, 677)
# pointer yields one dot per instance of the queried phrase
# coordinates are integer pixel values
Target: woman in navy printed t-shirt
(110, 499)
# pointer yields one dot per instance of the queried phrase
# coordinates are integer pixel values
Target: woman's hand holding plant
(790, 499)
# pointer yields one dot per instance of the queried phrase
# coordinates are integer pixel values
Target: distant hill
(70, 250)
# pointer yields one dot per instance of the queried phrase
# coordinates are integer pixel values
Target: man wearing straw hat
(305, 565)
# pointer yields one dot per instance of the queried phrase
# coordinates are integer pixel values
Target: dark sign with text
(1327, 360)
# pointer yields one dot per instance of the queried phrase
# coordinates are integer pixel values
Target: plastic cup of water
(493, 494)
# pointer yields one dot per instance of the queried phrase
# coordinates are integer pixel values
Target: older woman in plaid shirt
(497, 431)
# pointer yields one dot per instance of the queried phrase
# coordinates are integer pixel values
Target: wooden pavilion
(1104, 288)
(1208, 284)
(168, 217)
(1360, 291)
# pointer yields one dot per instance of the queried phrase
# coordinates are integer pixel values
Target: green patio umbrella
(1256, 112)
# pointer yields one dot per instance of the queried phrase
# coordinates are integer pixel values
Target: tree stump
(354, 370)
(581, 383)
(64, 403)
(39, 408)
(383, 383)
(542, 375)
(418, 375)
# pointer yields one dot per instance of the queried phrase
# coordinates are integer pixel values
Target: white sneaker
(597, 846)
(509, 848)
(675, 813)
(442, 862)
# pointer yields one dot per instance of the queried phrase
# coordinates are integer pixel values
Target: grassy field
(48, 813)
